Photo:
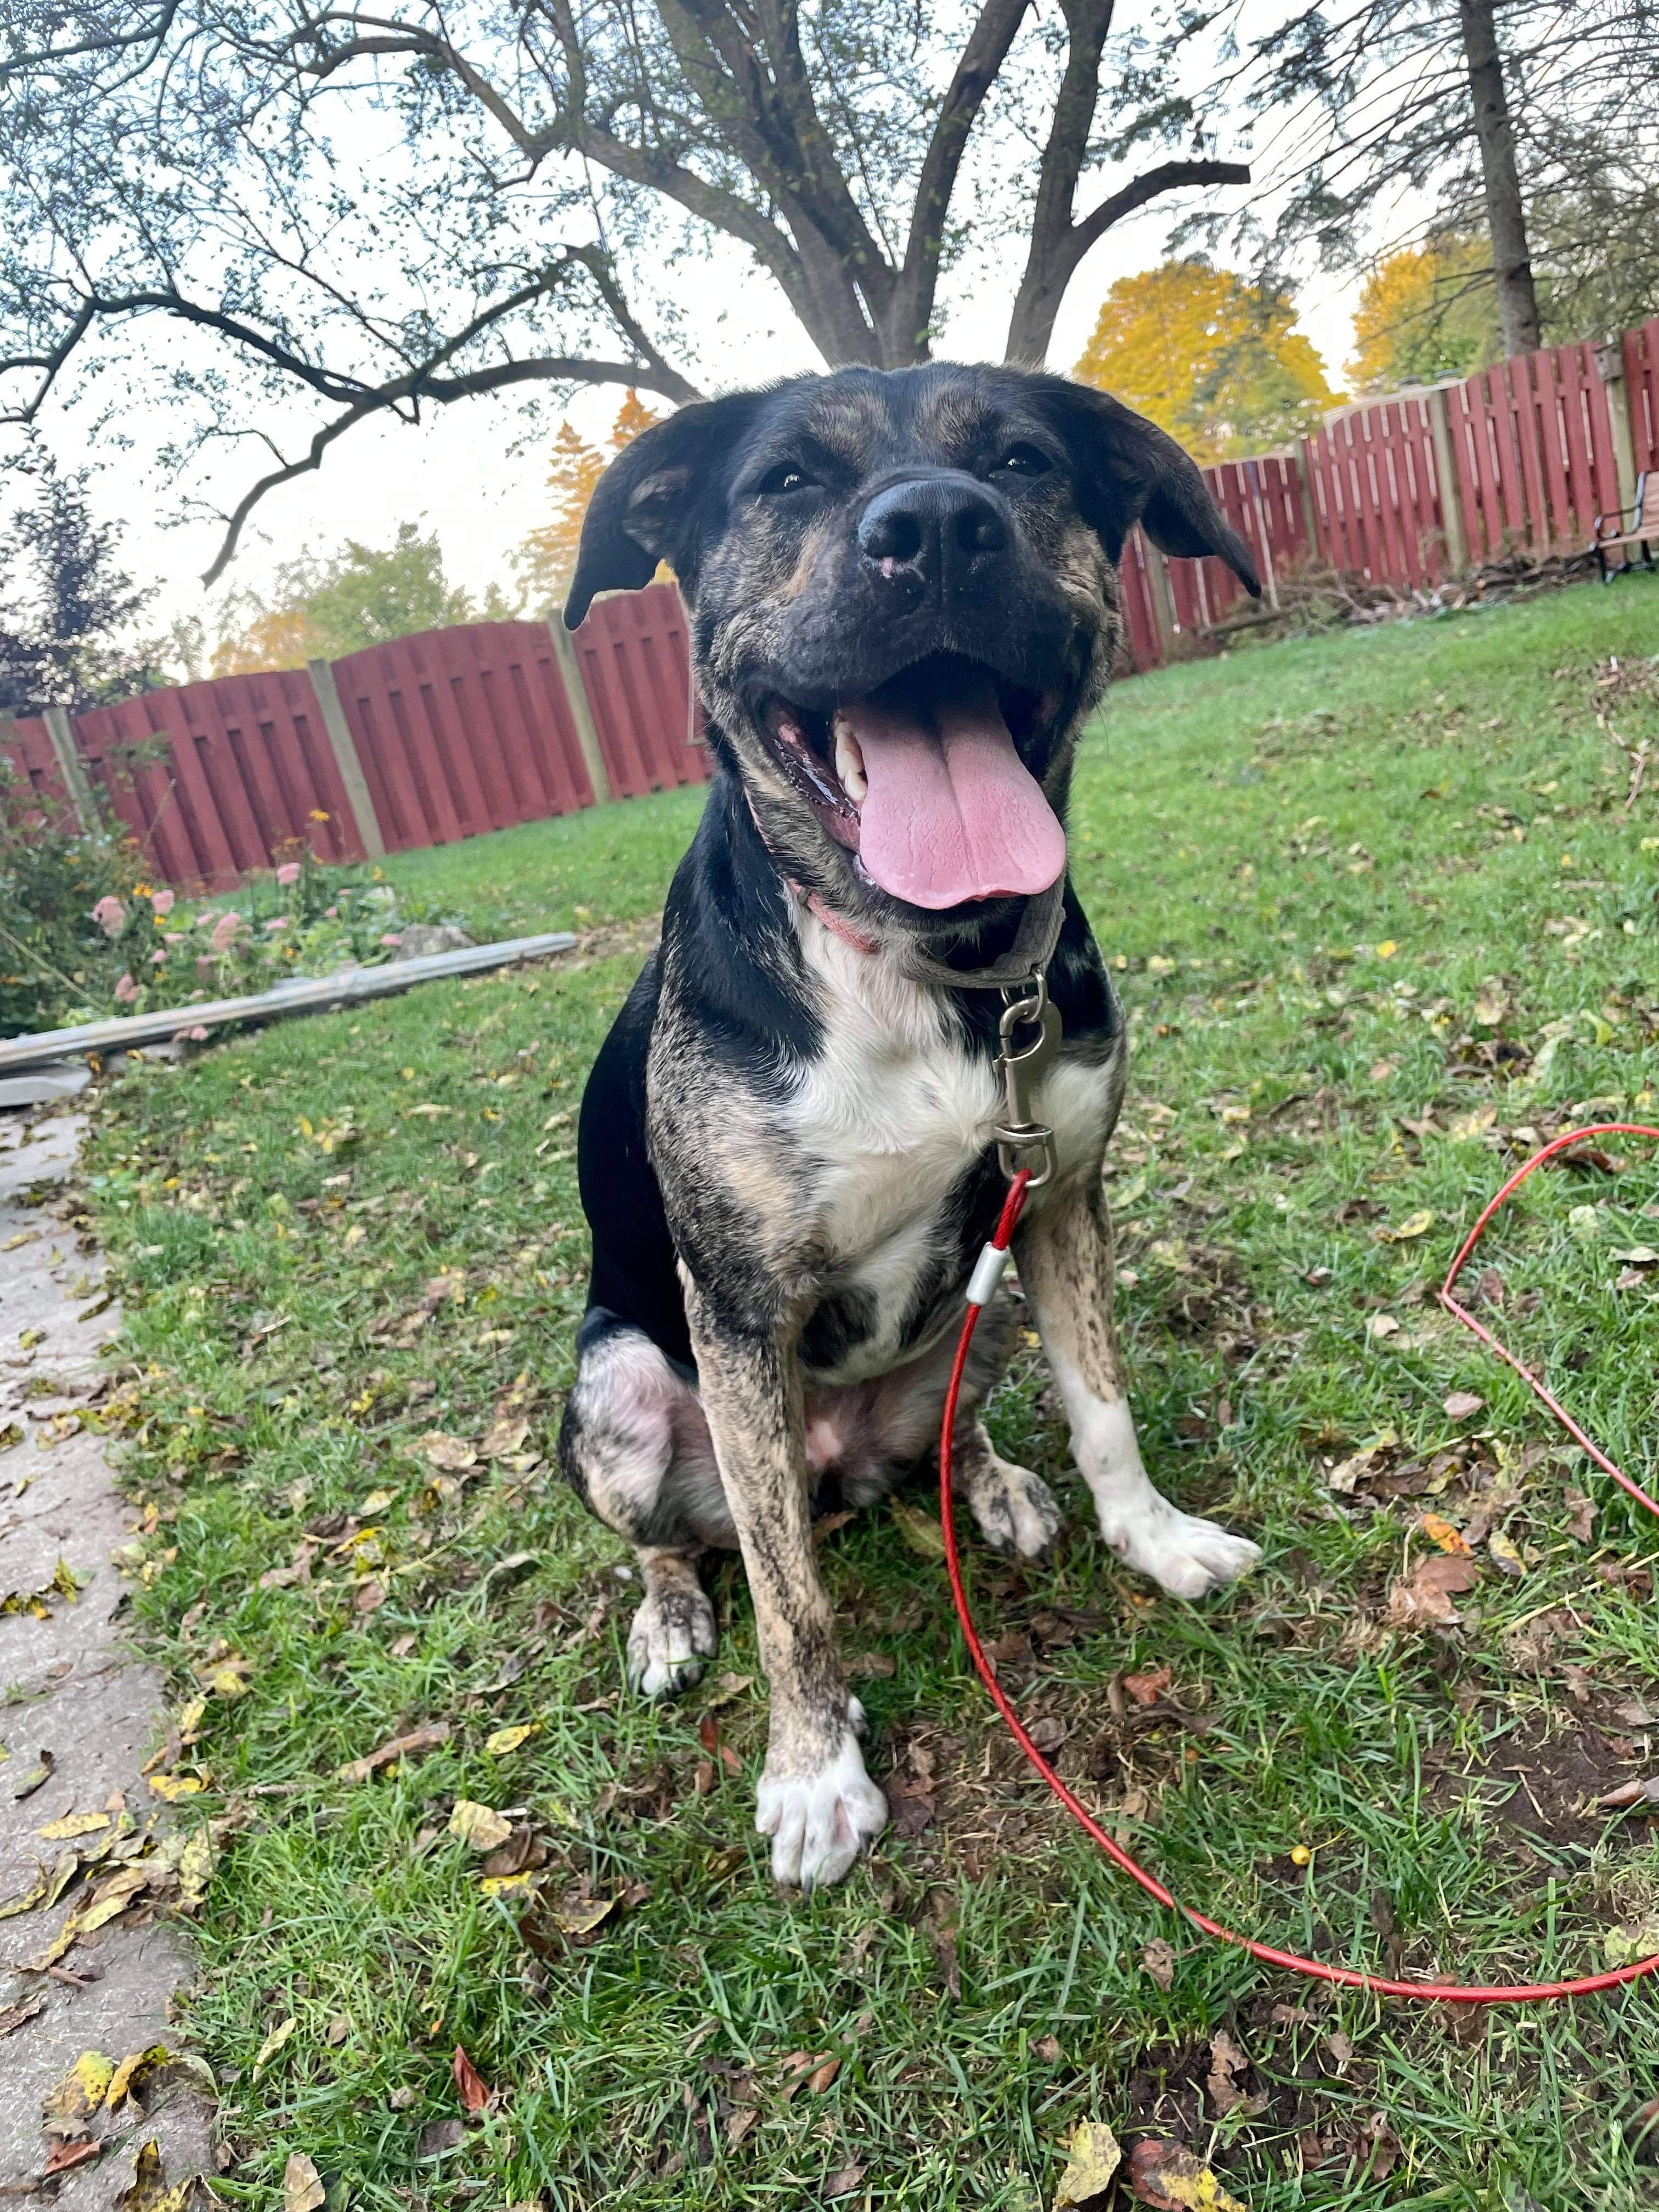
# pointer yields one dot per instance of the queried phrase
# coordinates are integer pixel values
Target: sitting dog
(902, 591)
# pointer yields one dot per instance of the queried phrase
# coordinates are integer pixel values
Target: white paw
(819, 1823)
(673, 1633)
(1015, 1510)
(1187, 1557)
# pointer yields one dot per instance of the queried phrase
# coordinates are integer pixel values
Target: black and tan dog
(903, 593)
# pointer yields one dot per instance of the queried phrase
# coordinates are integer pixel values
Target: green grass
(1251, 836)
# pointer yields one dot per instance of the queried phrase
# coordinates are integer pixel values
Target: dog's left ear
(1128, 470)
(658, 500)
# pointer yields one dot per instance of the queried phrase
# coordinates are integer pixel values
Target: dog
(902, 593)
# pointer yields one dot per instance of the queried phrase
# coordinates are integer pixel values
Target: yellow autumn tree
(546, 560)
(1425, 313)
(1217, 363)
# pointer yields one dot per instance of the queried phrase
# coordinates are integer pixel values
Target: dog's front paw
(1015, 1509)
(819, 1822)
(673, 1633)
(1187, 1557)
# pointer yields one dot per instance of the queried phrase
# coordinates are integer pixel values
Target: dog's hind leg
(635, 1446)
(1015, 1510)
(1064, 1252)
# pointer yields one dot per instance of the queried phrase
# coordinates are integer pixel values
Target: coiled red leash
(980, 1290)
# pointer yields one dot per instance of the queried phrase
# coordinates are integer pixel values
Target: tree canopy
(66, 605)
(1215, 361)
(287, 217)
(1425, 313)
(326, 607)
(547, 559)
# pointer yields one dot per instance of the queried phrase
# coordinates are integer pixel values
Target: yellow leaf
(129, 2076)
(1492, 1003)
(477, 1825)
(921, 1532)
(1507, 1554)
(82, 2090)
(174, 1786)
(72, 1825)
(148, 2190)
(302, 2187)
(509, 1739)
(196, 1864)
(583, 1919)
(505, 1885)
(1092, 2158)
(1465, 1126)
(111, 1898)
(377, 1501)
(24, 1900)
(1441, 1532)
(1387, 950)
(272, 2044)
(226, 1681)
(502, 1437)
(453, 1454)
(1415, 1224)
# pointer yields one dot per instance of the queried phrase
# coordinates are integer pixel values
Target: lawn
(1381, 914)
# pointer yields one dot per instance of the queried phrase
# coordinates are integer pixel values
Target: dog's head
(903, 593)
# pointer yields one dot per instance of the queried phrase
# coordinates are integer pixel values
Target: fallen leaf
(1581, 1516)
(1382, 1325)
(1460, 1404)
(583, 1919)
(148, 2190)
(1640, 1256)
(1622, 1946)
(13, 2016)
(272, 2044)
(302, 2185)
(1630, 1793)
(822, 2077)
(67, 2155)
(1227, 2062)
(133, 2074)
(72, 1825)
(921, 1531)
(440, 2136)
(1146, 1689)
(1426, 1599)
(509, 1739)
(842, 2182)
(1158, 1958)
(82, 2089)
(503, 1438)
(25, 1900)
(1415, 1224)
(477, 1825)
(469, 2085)
(11, 1436)
(400, 1747)
(453, 1454)
(1093, 2157)
(35, 1778)
(1443, 1534)
(172, 1787)
(110, 1900)
(1169, 2176)
(1506, 1552)
(1492, 1003)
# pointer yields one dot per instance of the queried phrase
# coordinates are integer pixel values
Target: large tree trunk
(1506, 217)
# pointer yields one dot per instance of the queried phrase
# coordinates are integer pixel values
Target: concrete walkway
(68, 1686)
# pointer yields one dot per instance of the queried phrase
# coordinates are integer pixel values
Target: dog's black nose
(931, 528)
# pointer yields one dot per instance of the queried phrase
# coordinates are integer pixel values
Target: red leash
(980, 1290)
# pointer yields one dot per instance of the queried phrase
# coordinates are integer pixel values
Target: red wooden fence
(636, 671)
(463, 730)
(1641, 350)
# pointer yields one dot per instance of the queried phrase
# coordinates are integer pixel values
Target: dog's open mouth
(922, 779)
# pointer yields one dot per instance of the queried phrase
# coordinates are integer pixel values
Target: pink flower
(332, 913)
(392, 938)
(280, 922)
(197, 1036)
(289, 872)
(110, 915)
(173, 936)
(162, 900)
(158, 955)
(126, 990)
(225, 932)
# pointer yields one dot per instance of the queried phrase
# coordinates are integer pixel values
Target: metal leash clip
(1026, 1006)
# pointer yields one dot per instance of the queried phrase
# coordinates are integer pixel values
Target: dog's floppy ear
(657, 500)
(1128, 470)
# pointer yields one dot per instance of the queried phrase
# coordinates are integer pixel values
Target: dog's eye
(1022, 461)
(786, 478)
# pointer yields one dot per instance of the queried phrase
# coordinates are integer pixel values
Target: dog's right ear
(657, 501)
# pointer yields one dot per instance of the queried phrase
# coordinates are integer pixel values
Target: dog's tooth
(849, 761)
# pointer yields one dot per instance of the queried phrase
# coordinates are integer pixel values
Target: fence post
(343, 746)
(1445, 470)
(1161, 592)
(1610, 366)
(582, 713)
(1304, 484)
(71, 767)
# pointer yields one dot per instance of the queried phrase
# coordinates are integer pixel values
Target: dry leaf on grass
(503, 1438)
(478, 1827)
(1460, 1404)
(1158, 1958)
(1415, 1224)
(1168, 2175)
(1092, 2158)
(1147, 1688)
(509, 1739)
(1227, 2065)
(1426, 1600)
(1441, 1533)
(399, 1746)
(841, 2183)
(302, 2185)
(451, 1454)
(921, 1531)
(272, 2044)
(148, 2190)
(469, 2085)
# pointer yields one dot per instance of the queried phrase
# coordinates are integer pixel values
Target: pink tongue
(952, 813)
